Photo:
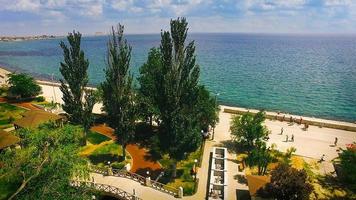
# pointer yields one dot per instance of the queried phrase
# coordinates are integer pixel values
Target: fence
(138, 178)
(117, 192)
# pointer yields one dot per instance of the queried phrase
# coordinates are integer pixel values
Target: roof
(256, 182)
(7, 139)
(33, 118)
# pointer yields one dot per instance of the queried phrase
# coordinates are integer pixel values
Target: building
(32, 119)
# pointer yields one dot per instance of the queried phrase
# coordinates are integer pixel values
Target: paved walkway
(142, 161)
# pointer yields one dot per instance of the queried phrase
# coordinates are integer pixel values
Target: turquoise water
(308, 75)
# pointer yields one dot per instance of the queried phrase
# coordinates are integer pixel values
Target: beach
(311, 143)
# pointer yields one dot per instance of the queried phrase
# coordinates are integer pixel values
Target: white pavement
(312, 144)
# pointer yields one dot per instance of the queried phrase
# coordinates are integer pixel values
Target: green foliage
(4, 89)
(96, 138)
(9, 113)
(207, 109)
(40, 99)
(45, 164)
(74, 71)
(247, 130)
(177, 97)
(260, 156)
(347, 159)
(118, 96)
(23, 86)
(287, 183)
(147, 91)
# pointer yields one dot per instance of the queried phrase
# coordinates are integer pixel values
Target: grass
(96, 138)
(100, 154)
(9, 113)
(184, 177)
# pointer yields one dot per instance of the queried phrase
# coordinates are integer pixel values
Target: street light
(195, 168)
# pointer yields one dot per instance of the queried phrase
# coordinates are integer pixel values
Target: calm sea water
(306, 75)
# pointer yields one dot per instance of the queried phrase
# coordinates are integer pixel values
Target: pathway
(140, 156)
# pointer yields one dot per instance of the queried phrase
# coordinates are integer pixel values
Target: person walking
(282, 131)
(292, 138)
(335, 142)
(286, 138)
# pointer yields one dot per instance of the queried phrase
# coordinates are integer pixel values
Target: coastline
(51, 92)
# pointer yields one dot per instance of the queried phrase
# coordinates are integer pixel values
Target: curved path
(140, 156)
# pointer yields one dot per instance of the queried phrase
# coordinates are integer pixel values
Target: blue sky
(27, 17)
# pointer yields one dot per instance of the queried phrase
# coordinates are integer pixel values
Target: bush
(287, 183)
(23, 86)
(348, 165)
(40, 99)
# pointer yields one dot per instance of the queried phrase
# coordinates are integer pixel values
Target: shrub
(40, 99)
(287, 183)
(23, 86)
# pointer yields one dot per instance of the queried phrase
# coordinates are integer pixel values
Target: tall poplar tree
(118, 96)
(177, 87)
(78, 101)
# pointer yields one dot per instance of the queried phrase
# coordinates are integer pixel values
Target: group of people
(287, 137)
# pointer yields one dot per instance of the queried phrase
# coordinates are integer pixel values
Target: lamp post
(195, 169)
(216, 104)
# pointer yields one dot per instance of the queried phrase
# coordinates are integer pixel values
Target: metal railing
(138, 178)
(117, 192)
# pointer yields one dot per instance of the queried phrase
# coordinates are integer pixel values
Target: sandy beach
(311, 143)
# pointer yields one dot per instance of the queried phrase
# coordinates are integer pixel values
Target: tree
(46, 163)
(77, 103)
(177, 93)
(207, 109)
(260, 156)
(347, 161)
(287, 183)
(118, 96)
(247, 130)
(147, 91)
(23, 85)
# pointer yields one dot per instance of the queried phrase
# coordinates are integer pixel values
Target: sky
(58, 17)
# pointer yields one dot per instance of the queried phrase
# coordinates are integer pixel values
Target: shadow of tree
(104, 158)
(153, 174)
(332, 183)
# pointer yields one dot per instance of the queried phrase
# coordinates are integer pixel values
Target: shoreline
(52, 92)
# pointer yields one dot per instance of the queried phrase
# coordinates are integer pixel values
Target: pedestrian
(282, 131)
(301, 120)
(291, 119)
(292, 138)
(322, 158)
(335, 142)
(286, 138)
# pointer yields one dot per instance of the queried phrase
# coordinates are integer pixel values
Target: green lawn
(9, 113)
(184, 178)
(96, 138)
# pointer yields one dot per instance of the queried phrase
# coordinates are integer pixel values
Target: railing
(138, 178)
(117, 192)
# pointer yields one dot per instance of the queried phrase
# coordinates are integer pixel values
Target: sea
(309, 75)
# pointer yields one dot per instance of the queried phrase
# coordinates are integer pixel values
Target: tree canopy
(118, 96)
(74, 70)
(347, 161)
(23, 85)
(177, 87)
(287, 183)
(46, 163)
(247, 130)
